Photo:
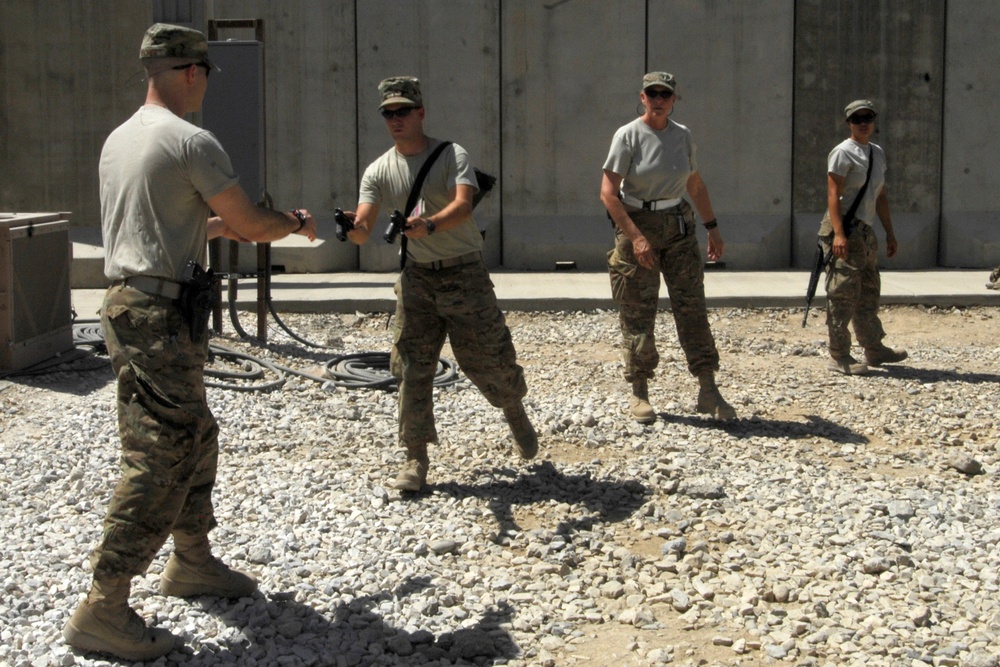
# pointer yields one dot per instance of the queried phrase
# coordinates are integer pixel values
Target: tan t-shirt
(654, 164)
(850, 160)
(387, 181)
(156, 173)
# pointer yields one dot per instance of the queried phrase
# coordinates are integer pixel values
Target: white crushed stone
(840, 521)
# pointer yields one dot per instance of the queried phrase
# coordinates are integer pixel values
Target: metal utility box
(36, 321)
(233, 110)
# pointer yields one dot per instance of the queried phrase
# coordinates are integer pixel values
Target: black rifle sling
(848, 218)
(411, 201)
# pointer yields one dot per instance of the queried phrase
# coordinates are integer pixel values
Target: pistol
(197, 297)
(344, 224)
(397, 223)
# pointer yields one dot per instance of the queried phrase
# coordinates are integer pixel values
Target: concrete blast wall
(535, 90)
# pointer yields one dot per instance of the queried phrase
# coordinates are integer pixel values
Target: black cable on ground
(361, 370)
(274, 314)
(252, 369)
(371, 370)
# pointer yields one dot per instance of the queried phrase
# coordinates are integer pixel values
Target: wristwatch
(430, 227)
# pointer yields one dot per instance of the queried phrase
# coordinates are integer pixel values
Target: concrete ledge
(578, 290)
(87, 269)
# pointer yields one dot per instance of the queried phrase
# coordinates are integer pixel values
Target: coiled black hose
(361, 370)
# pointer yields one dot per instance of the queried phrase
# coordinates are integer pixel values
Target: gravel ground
(839, 521)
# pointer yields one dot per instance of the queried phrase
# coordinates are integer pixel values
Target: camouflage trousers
(636, 290)
(169, 437)
(853, 290)
(459, 303)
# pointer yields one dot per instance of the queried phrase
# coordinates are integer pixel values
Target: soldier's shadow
(355, 632)
(814, 427)
(932, 375)
(607, 501)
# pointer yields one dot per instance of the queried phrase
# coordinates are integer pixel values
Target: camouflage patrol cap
(163, 40)
(858, 105)
(665, 79)
(400, 90)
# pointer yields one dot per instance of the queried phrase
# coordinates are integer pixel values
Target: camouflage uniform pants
(169, 437)
(459, 303)
(853, 290)
(636, 290)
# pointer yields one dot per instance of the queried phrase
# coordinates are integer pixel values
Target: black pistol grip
(397, 223)
(343, 223)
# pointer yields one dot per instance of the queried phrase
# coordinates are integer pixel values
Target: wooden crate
(36, 321)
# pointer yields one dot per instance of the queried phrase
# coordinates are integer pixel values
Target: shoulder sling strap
(411, 201)
(848, 220)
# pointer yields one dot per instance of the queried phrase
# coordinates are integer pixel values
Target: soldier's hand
(418, 228)
(715, 244)
(840, 246)
(308, 228)
(643, 253)
(891, 245)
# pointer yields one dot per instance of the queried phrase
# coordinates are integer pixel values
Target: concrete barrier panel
(733, 63)
(892, 53)
(542, 241)
(571, 77)
(69, 74)
(970, 233)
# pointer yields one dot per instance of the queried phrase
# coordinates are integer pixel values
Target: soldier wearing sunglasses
(444, 289)
(160, 177)
(650, 167)
(856, 170)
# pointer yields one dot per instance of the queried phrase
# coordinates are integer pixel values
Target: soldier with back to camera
(159, 178)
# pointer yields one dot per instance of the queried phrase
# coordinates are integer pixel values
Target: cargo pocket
(620, 272)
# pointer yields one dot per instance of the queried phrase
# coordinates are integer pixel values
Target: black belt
(439, 264)
(152, 286)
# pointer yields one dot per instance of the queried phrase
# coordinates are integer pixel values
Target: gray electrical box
(233, 110)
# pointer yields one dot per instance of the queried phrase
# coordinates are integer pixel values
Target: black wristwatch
(430, 227)
(301, 218)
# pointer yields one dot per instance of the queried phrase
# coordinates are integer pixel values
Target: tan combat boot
(104, 623)
(710, 400)
(848, 366)
(413, 476)
(192, 570)
(525, 438)
(876, 356)
(638, 402)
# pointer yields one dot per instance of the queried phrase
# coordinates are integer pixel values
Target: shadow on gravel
(929, 375)
(813, 427)
(79, 374)
(355, 634)
(608, 501)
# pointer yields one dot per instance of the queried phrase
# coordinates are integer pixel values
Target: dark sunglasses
(208, 70)
(652, 93)
(857, 118)
(402, 112)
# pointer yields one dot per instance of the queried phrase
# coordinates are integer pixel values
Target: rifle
(397, 223)
(819, 260)
(819, 263)
(343, 223)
